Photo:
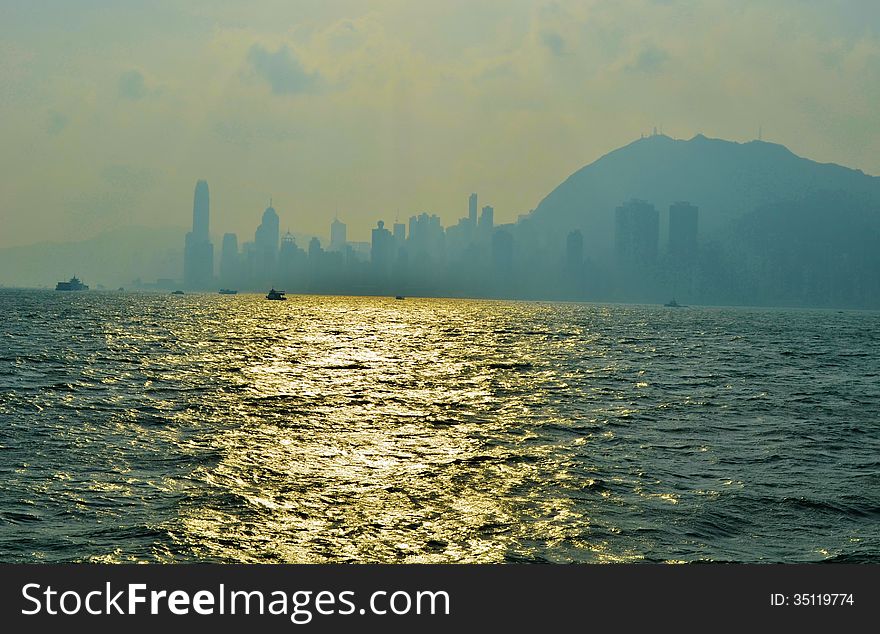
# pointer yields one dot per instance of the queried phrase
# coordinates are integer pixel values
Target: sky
(111, 110)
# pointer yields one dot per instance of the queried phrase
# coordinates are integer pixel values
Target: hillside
(726, 180)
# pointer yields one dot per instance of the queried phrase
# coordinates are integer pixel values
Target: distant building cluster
(637, 233)
(472, 257)
(639, 264)
(397, 258)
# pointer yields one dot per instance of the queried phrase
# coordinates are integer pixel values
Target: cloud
(55, 123)
(554, 42)
(380, 106)
(345, 36)
(132, 86)
(282, 70)
(650, 60)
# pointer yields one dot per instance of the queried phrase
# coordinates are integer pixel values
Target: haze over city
(433, 282)
(111, 111)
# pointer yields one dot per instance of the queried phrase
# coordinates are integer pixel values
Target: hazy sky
(110, 111)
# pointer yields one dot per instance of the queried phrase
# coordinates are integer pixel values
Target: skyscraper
(315, 249)
(683, 218)
(267, 235)
(487, 220)
(472, 209)
(266, 241)
(636, 233)
(381, 249)
(426, 237)
(399, 233)
(487, 217)
(201, 211)
(337, 235)
(229, 260)
(198, 255)
(291, 260)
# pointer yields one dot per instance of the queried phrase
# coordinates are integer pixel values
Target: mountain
(726, 180)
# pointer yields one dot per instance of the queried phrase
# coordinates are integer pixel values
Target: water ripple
(227, 428)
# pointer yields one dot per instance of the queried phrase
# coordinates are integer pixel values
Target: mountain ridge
(726, 179)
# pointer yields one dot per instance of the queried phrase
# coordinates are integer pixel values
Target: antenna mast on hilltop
(759, 133)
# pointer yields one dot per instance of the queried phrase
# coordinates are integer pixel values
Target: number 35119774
(812, 599)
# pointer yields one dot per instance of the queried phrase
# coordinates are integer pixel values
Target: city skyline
(657, 218)
(495, 282)
(554, 255)
(473, 257)
(370, 108)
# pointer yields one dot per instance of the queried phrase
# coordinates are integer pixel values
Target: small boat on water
(73, 285)
(177, 292)
(674, 304)
(276, 295)
(228, 291)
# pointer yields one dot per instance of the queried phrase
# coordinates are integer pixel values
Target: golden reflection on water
(375, 430)
(228, 428)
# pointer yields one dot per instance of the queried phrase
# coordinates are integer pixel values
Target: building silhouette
(399, 234)
(337, 235)
(487, 220)
(636, 233)
(201, 211)
(381, 250)
(683, 220)
(472, 209)
(266, 240)
(427, 240)
(466, 258)
(230, 266)
(291, 260)
(198, 258)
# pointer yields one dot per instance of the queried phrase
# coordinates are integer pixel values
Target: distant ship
(273, 294)
(177, 292)
(228, 291)
(674, 304)
(73, 285)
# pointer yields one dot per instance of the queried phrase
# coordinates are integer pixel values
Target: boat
(75, 284)
(674, 304)
(278, 295)
(228, 291)
(177, 292)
